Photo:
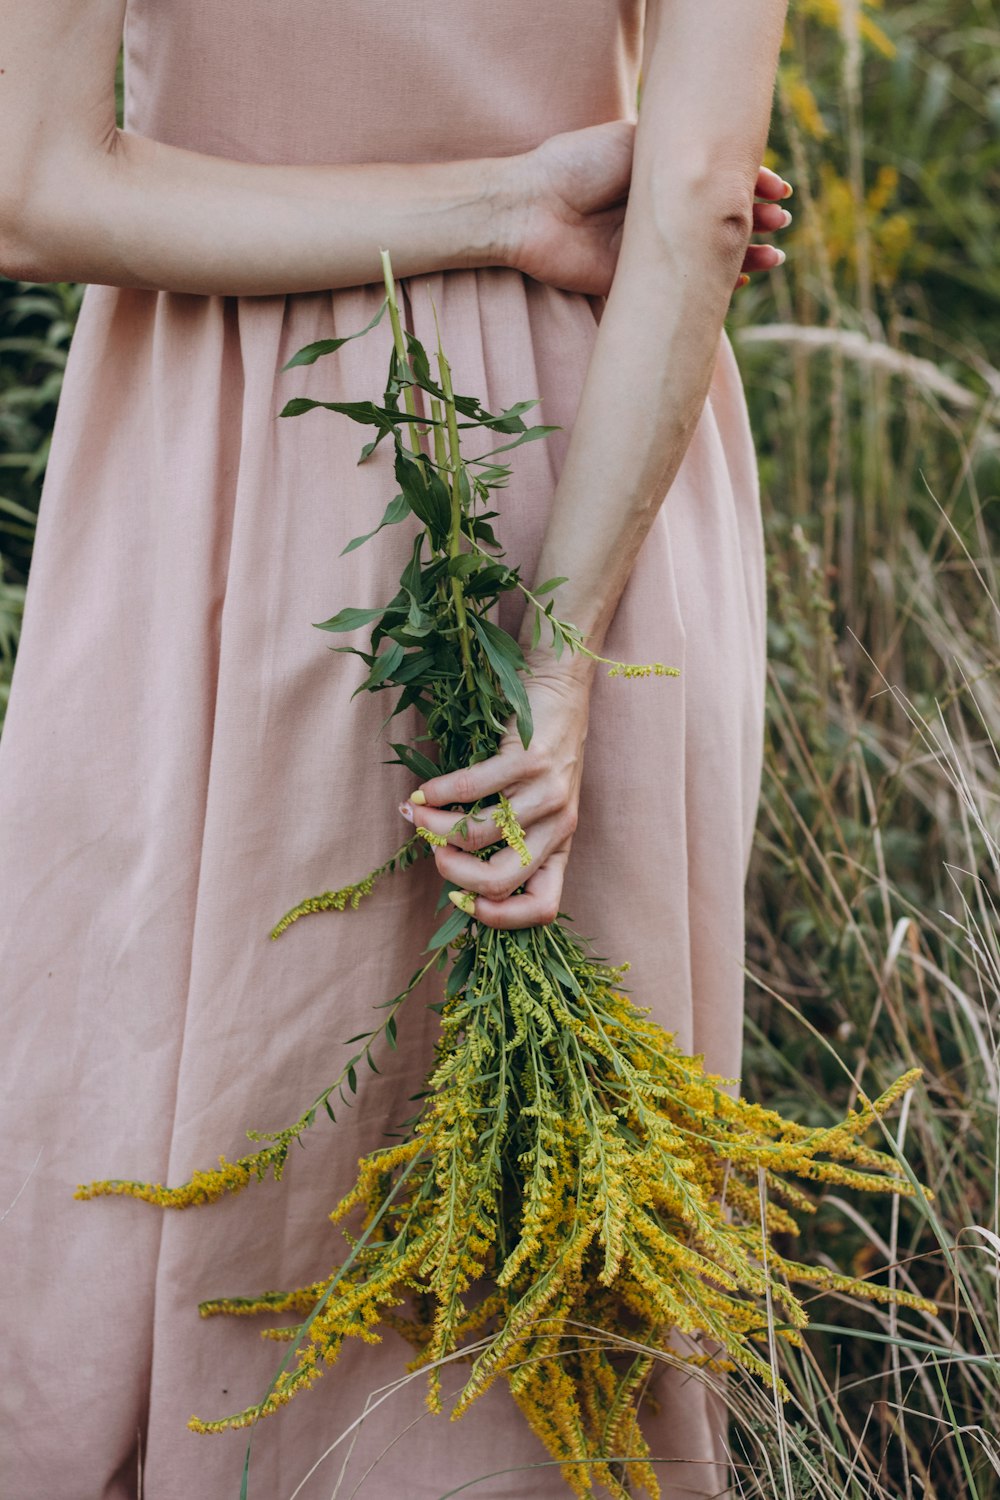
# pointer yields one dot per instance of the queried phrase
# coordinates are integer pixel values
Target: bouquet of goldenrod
(572, 1184)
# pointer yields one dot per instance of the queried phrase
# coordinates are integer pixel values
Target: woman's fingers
(499, 876)
(474, 783)
(536, 906)
(465, 830)
(531, 801)
(763, 258)
(768, 218)
(542, 785)
(770, 185)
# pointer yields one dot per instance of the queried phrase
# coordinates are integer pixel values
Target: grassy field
(873, 936)
(871, 371)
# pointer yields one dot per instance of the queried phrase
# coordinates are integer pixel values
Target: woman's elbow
(18, 259)
(706, 212)
(46, 205)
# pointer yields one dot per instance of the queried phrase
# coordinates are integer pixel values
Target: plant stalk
(400, 343)
(455, 528)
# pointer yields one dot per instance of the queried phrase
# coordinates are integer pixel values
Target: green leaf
(548, 585)
(350, 619)
(352, 1079)
(420, 766)
(390, 1032)
(385, 666)
(483, 532)
(449, 929)
(420, 662)
(462, 565)
(529, 435)
(505, 657)
(366, 412)
(312, 352)
(490, 578)
(494, 476)
(358, 411)
(425, 492)
(461, 969)
(411, 576)
(397, 510)
(420, 365)
(498, 644)
(509, 420)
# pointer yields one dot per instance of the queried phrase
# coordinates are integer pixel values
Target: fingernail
(786, 218)
(789, 190)
(418, 798)
(406, 811)
(780, 261)
(464, 900)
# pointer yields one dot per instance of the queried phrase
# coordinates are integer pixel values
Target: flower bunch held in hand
(573, 1186)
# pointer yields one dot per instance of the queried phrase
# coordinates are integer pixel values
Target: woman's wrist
(471, 208)
(501, 208)
(571, 672)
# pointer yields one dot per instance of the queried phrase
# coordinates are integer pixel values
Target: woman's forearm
(658, 339)
(646, 383)
(138, 213)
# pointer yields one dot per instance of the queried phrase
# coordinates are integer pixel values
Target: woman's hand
(768, 218)
(542, 785)
(568, 208)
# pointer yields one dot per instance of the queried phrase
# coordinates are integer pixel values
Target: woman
(182, 760)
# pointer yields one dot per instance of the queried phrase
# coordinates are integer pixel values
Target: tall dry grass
(873, 939)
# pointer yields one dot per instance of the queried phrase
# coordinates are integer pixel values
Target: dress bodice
(373, 80)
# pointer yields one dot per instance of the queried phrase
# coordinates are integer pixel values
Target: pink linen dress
(182, 762)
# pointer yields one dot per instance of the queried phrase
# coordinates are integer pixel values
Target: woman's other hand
(568, 207)
(568, 201)
(768, 218)
(542, 785)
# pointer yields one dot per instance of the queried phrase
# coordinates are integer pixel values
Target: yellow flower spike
(464, 900)
(437, 839)
(349, 895)
(654, 669)
(505, 818)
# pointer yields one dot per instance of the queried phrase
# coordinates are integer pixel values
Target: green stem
(440, 459)
(400, 343)
(455, 527)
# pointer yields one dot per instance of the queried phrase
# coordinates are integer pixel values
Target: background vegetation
(873, 941)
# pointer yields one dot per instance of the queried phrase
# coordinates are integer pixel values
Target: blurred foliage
(869, 364)
(36, 323)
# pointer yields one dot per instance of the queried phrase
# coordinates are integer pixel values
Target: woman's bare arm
(81, 200)
(659, 334)
(709, 70)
